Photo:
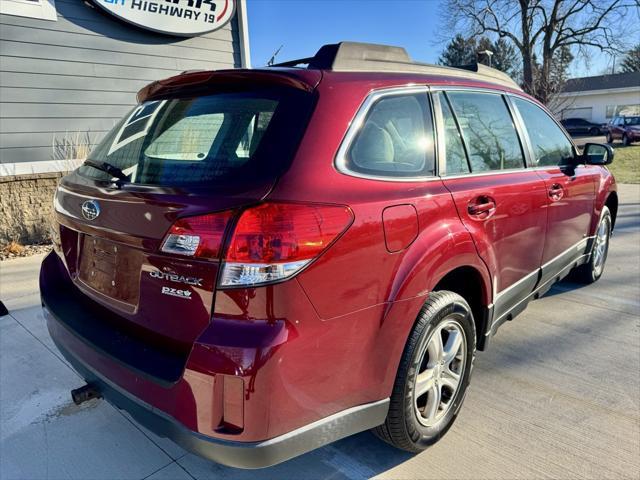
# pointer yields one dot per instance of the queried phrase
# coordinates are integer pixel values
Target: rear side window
(220, 138)
(549, 143)
(488, 131)
(396, 139)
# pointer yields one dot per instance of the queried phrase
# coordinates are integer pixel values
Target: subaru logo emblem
(90, 209)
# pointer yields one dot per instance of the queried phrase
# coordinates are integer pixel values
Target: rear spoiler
(303, 80)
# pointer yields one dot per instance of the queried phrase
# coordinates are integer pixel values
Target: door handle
(482, 207)
(556, 192)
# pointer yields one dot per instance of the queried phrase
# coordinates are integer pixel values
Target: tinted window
(396, 139)
(488, 131)
(205, 139)
(550, 145)
(456, 158)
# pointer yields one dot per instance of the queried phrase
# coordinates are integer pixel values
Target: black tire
(609, 139)
(625, 140)
(402, 428)
(591, 271)
(594, 131)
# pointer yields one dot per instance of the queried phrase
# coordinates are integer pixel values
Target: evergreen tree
(505, 58)
(459, 51)
(631, 62)
(465, 51)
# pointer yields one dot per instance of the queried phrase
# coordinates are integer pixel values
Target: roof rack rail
(369, 57)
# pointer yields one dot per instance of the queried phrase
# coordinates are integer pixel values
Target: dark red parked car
(255, 263)
(626, 129)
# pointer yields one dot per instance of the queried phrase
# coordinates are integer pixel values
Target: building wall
(26, 206)
(578, 105)
(64, 83)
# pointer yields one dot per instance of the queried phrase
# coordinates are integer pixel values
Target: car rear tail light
(200, 236)
(274, 241)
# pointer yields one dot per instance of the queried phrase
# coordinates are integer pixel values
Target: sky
(303, 26)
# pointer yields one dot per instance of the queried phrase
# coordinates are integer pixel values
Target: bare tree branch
(540, 29)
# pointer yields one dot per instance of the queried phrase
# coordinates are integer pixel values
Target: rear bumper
(192, 411)
(235, 454)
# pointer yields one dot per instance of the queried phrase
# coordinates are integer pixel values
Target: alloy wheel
(440, 372)
(601, 245)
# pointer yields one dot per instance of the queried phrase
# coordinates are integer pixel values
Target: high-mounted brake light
(274, 241)
(200, 236)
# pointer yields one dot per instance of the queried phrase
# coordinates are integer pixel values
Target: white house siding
(599, 105)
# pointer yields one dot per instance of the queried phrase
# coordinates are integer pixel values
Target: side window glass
(396, 139)
(456, 158)
(488, 131)
(549, 143)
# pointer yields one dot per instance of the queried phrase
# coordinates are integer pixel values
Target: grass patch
(626, 163)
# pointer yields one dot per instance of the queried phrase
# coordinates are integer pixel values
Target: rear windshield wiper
(108, 168)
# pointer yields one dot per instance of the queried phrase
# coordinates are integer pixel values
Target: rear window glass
(205, 139)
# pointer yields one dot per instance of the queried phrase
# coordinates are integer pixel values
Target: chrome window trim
(487, 173)
(454, 88)
(340, 162)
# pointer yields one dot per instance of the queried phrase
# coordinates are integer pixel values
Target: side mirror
(597, 154)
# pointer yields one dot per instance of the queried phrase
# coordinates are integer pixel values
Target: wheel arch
(468, 282)
(612, 204)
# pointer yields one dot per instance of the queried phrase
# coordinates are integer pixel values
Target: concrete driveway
(556, 396)
(581, 140)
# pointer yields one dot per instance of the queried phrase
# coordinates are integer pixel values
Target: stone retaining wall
(26, 203)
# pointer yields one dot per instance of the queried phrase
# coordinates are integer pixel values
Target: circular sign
(185, 18)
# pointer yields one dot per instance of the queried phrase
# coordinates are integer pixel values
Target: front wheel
(609, 139)
(591, 271)
(625, 140)
(433, 375)
(594, 131)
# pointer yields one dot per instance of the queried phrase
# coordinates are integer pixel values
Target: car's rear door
(499, 200)
(571, 188)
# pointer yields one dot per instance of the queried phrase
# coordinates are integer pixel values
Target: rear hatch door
(188, 155)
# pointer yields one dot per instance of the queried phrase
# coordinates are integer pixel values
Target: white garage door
(584, 112)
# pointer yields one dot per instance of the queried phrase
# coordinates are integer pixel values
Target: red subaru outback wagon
(255, 263)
